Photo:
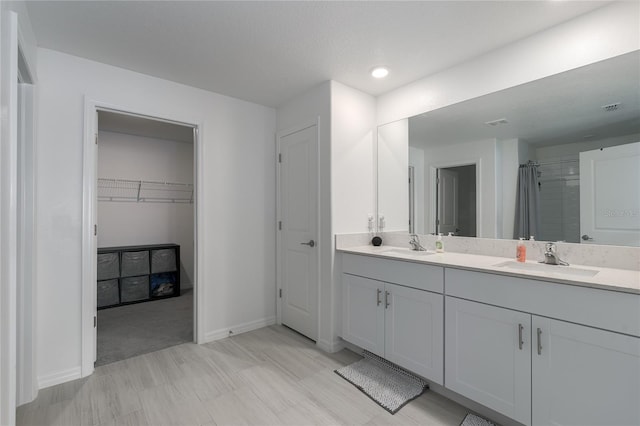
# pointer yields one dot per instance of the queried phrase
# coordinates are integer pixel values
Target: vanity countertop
(621, 280)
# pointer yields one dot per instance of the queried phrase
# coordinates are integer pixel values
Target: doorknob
(311, 243)
(585, 237)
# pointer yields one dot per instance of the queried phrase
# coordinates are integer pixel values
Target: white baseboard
(238, 329)
(59, 377)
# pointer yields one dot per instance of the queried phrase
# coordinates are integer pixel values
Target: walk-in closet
(145, 229)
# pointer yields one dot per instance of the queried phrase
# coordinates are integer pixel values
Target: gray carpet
(130, 330)
(387, 384)
(473, 420)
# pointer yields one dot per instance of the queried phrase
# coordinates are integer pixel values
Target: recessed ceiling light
(379, 72)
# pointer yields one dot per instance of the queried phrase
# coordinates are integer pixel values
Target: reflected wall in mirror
(578, 131)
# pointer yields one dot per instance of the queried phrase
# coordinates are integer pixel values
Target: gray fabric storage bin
(134, 288)
(163, 260)
(108, 266)
(108, 293)
(135, 263)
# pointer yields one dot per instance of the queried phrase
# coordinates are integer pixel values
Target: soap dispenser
(521, 251)
(439, 244)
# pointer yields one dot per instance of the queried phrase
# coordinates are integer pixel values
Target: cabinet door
(486, 359)
(414, 330)
(584, 376)
(363, 313)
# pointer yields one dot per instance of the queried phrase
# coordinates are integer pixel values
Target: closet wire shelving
(142, 191)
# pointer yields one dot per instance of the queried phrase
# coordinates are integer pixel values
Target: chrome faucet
(414, 242)
(551, 257)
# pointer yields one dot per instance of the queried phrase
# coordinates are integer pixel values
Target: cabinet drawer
(134, 289)
(108, 266)
(108, 293)
(135, 263)
(409, 274)
(163, 260)
(609, 310)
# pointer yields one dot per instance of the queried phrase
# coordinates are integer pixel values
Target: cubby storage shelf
(134, 274)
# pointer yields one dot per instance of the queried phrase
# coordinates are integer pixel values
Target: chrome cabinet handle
(311, 243)
(520, 341)
(386, 299)
(378, 293)
(539, 342)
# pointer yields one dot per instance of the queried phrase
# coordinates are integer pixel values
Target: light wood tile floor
(271, 376)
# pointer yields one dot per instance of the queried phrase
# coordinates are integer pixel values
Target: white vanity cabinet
(515, 347)
(395, 310)
(362, 313)
(488, 356)
(584, 376)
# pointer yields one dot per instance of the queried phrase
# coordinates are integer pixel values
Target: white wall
(416, 159)
(393, 167)
(346, 139)
(122, 156)
(604, 33)
(236, 207)
(352, 184)
(352, 158)
(483, 155)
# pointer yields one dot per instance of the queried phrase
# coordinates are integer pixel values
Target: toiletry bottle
(521, 251)
(439, 244)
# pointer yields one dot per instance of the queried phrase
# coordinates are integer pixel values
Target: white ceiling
(268, 52)
(563, 108)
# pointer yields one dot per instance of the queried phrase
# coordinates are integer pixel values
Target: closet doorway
(144, 235)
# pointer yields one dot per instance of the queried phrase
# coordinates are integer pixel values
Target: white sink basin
(549, 269)
(407, 252)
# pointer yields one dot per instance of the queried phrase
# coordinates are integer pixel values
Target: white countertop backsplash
(618, 267)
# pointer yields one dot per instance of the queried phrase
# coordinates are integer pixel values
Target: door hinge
(95, 321)
(280, 293)
(96, 139)
(279, 225)
(95, 229)
(279, 158)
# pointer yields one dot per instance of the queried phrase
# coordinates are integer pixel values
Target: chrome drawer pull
(520, 341)
(539, 342)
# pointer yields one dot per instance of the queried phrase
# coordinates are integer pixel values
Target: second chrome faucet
(551, 256)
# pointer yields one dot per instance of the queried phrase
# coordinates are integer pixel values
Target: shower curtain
(527, 221)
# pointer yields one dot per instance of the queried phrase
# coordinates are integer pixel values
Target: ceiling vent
(497, 122)
(611, 107)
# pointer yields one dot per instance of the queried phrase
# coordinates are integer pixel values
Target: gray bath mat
(473, 420)
(387, 384)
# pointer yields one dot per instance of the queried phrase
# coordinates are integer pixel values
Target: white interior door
(298, 222)
(610, 195)
(447, 219)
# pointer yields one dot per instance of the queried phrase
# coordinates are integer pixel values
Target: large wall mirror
(557, 158)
